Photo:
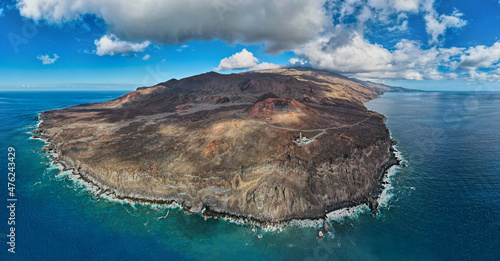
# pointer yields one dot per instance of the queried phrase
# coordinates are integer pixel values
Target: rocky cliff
(230, 144)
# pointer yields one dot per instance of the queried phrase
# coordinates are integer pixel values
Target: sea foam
(339, 215)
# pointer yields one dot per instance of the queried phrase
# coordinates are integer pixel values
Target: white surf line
(340, 214)
(386, 194)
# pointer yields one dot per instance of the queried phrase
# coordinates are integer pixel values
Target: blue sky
(120, 44)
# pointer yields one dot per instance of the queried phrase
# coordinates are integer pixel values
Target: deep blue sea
(445, 205)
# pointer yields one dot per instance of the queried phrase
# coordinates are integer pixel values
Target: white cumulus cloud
(45, 58)
(326, 34)
(265, 66)
(436, 25)
(480, 57)
(357, 57)
(111, 45)
(346, 49)
(476, 75)
(297, 62)
(280, 24)
(146, 57)
(397, 5)
(353, 54)
(244, 60)
(237, 61)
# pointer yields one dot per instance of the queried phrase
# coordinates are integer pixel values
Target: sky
(124, 44)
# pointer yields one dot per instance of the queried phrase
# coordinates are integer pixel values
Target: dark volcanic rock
(228, 143)
(373, 204)
(48, 147)
(327, 227)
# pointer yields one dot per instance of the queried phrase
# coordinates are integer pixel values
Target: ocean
(443, 205)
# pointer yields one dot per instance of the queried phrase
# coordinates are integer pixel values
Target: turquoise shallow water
(445, 205)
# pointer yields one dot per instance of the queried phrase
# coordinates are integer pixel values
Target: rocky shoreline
(372, 202)
(231, 156)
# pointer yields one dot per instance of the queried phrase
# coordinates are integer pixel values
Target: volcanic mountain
(269, 146)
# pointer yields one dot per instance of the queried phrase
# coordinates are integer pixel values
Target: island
(268, 146)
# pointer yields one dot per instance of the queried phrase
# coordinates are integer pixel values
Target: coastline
(337, 212)
(413, 208)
